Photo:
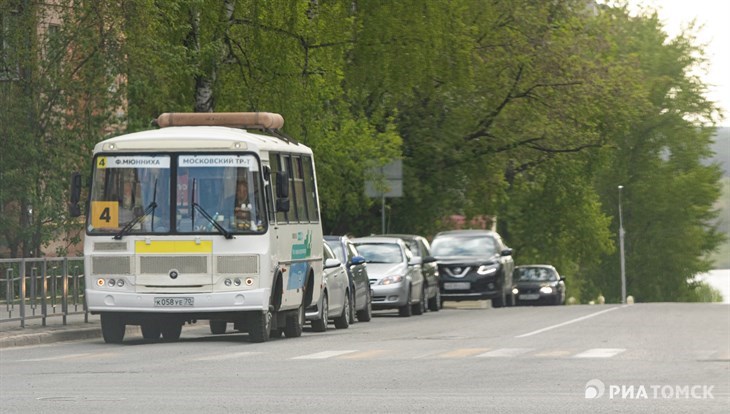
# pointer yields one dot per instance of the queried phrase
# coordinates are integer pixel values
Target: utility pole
(621, 234)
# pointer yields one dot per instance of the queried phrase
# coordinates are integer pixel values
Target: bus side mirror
(282, 184)
(73, 206)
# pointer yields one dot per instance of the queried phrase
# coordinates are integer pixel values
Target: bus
(211, 216)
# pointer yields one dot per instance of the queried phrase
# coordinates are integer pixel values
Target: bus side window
(277, 164)
(311, 191)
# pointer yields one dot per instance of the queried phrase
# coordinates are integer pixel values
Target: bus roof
(205, 138)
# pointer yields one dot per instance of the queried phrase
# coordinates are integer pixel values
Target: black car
(357, 272)
(474, 265)
(421, 249)
(538, 284)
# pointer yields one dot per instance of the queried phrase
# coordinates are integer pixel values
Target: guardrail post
(9, 291)
(64, 294)
(44, 292)
(22, 293)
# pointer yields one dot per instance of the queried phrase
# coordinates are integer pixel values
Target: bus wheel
(112, 328)
(294, 323)
(217, 327)
(150, 330)
(259, 327)
(171, 330)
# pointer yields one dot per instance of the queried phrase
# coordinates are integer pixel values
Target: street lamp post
(621, 247)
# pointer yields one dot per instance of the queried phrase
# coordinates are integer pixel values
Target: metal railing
(42, 288)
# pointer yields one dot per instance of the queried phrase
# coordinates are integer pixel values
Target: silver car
(334, 302)
(395, 276)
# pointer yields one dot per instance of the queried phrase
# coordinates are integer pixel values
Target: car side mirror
(415, 261)
(75, 195)
(330, 263)
(506, 252)
(357, 260)
(429, 259)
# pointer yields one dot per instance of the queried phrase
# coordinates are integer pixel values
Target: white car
(335, 302)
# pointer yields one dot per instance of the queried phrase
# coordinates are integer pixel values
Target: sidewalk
(34, 333)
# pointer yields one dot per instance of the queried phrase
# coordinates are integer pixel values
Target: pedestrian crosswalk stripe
(600, 353)
(462, 353)
(222, 357)
(505, 352)
(324, 355)
(365, 354)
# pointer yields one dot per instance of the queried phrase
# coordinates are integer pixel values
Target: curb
(49, 337)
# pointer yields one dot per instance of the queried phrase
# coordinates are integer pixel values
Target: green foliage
(529, 111)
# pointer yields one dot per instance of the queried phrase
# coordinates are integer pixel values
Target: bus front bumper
(106, 301)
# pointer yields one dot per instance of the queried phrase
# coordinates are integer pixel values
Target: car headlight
(389, 280)
(546, 289)
(486, 269)
(515, 291)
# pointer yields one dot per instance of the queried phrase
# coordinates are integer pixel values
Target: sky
(714, 16)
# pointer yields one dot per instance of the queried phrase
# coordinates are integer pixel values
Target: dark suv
(474, 265)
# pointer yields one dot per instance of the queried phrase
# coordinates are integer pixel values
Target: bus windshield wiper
(150, 208)
(212, 221)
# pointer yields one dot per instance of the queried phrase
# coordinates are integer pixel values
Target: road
(647, 357)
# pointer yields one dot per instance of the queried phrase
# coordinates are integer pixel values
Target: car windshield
(380, 252)
(537, 274)
(133, 194)
(478, 246)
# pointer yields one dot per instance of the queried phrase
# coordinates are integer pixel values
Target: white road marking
(600, 353)
(324, 354)
(505, 352)
(568, 322)
(226, 356)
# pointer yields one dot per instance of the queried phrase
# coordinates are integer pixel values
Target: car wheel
(217, 327)
(406, 310)
(435, 303)
(420, 307)
(365, 314)
(112, 328)
(320, 325)
(343, 321)
(499, 301)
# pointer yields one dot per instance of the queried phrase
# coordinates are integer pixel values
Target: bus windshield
(131, 194)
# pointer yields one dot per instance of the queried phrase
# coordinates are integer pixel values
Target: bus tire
(294, 323)
(259, 327)
(171, 330)
(217, 327)
(150, 330)
(112, 328)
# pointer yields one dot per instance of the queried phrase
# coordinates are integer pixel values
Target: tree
(61, 95)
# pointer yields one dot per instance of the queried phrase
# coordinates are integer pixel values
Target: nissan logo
(173, 274)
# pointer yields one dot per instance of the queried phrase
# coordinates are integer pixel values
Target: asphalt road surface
(654, 358)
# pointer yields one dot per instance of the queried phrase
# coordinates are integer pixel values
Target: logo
(595, 389)
(174, 274)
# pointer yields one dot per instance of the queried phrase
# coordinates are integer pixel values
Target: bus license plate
(174, 302)
(457, 285)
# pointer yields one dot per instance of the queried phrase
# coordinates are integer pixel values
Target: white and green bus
(212, 216)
